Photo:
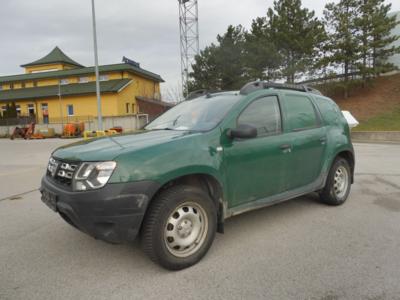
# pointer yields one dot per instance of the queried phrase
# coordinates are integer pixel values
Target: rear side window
(300, 112)
(328, 109)
(264, 114)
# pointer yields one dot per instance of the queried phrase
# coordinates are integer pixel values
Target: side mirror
(243, 131)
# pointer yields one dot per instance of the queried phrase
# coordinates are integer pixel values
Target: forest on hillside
(290, 44)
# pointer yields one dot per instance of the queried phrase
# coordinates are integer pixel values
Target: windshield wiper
(176, 120)
(166, 128)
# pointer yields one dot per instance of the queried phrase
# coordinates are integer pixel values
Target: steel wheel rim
(341, 182)
(186, 229)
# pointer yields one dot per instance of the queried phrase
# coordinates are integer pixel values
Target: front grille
(61, 171)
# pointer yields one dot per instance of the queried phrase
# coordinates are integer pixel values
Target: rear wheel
(180, 227)
(338, 183)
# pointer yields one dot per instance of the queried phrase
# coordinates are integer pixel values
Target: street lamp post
(59, 100)
(96, 67)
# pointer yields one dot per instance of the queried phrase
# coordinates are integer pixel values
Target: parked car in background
(201, 162)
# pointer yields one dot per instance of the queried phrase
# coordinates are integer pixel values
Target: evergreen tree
(205, 74)
(375, 37)
(342, 46)
(12, 110)
(6, 112)
(297, 34)
(231, 58)
(363, 23)
(382, 38)
(261, 59)
(221, 66)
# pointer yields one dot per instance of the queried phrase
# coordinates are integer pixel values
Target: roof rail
(312, 90)
(258, 85)
(203, 92)
(197, 93)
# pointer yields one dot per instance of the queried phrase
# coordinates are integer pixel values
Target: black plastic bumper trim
(113, 213)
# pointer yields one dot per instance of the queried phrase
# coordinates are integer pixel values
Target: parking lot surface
(299, 249)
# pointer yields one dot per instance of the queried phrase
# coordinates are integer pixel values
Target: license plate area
(50, 199)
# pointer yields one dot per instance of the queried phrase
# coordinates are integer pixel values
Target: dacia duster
(204, 160)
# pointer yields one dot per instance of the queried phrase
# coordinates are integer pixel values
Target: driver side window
(263, 114)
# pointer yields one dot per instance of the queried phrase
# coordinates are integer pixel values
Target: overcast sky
(145, 31)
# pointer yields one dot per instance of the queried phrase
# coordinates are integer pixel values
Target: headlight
(93, 175)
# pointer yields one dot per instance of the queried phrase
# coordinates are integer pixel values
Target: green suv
(205, 160)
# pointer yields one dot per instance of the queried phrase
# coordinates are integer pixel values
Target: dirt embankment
(381, 96)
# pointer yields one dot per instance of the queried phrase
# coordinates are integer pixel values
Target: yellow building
(56, 86)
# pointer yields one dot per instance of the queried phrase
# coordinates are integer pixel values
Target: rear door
(308, 139)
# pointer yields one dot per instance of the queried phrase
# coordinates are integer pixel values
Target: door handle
(285, 146)
(322, 140)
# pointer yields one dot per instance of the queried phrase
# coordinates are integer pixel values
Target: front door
(256, 168)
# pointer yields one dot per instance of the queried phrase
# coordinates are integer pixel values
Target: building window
(31, 109)
(127, 107)
(83, 79)
(70, 110)
(35, 84)
(18, 109)
(103, 77)
(22, 85)
(45, 113)
(133, 108)
(11, 86)
(64, 81)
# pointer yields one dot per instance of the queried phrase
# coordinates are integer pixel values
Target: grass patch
(384, 122)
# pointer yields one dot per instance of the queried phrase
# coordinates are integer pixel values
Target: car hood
(107, 148)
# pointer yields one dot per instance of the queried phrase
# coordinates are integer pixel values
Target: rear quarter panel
(337, 130)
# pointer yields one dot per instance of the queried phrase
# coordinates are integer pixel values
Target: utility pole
(96, 67)
(189, 38)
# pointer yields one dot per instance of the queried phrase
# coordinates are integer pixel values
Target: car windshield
(200, 114)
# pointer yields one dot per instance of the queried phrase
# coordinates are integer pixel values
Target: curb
(376, 136)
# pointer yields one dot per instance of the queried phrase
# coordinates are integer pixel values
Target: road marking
(19, 171)
(18, 195)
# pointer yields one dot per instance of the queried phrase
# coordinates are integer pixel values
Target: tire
(179, 227)
(338, 183)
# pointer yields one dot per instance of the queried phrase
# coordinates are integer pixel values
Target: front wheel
(179, 227)
(337, 186)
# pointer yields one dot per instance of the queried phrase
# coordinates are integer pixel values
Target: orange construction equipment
(23, 132)
(73, 129)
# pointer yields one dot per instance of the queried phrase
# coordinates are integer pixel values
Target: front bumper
(113, 213)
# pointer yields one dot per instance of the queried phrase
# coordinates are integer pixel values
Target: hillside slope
(381, 98)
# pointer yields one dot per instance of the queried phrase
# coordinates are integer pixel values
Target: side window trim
(321, 120)
(281, 129)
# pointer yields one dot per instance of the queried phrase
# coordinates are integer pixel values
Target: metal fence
(24, 120)
(331, 78)
(127, 122)
(68, 119)
(20, 120)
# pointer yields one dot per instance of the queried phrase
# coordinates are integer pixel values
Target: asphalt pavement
(299, 249)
